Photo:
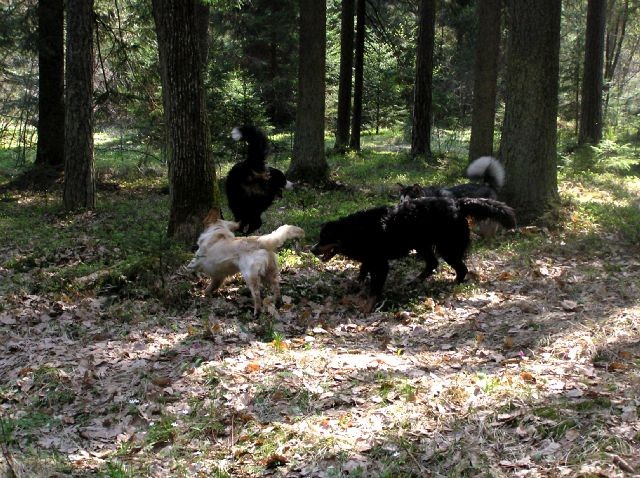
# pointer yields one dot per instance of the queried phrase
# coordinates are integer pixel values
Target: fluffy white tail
(279, 236)
(488, 169)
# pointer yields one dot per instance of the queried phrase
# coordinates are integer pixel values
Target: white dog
(220, 254)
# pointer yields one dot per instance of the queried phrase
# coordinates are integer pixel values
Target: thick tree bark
(530, 130)
(309, 162)
(592, 79)
(79, 174)
(179, 30)
(50, 151)
(422, 94)
(361, 32)
(485, 78)
(346, 73)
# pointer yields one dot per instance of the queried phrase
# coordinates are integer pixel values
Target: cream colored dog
(220, 254)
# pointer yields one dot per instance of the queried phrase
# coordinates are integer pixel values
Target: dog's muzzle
(325, 251)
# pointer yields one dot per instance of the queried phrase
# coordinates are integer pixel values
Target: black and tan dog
(427, 225)
(488, 176)
(251, 185)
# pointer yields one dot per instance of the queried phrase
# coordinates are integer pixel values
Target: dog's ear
(212, 216)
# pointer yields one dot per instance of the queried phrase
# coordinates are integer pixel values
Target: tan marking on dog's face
(325, 251)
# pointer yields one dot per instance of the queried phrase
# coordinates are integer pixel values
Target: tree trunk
(530, 130)
(591, 103)
(346, 73)
(617, 17)
(485, 78)
(191, 174)
(50, 151)
(421, 130)
(309, 162)
(356, 119)
(79, 174)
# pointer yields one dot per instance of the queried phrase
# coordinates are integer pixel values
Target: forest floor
(115, 364)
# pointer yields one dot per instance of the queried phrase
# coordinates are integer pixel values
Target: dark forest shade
(50, 151)
(356, 119)
(309, 162)
(485, 78)
(346, 73)
(529, 135)
(591, 101)
(79, 174)
(421, 125)
(191, 174)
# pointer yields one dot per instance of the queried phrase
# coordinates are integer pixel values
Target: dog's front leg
(213, 285)
(379, 272)
(431, 262)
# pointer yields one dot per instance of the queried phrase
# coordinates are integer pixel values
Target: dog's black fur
(251, 185)
(375, 236)
(487, 170)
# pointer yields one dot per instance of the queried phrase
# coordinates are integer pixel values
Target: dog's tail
(482, 208)
(488, 170)
(279, 236)
(256, 139)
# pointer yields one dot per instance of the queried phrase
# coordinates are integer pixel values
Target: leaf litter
(530, 369)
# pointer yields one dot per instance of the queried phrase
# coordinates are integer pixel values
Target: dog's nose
(194, 248)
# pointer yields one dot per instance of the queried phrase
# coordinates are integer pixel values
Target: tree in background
(591, 102)
(79, 175)
(529, 135)
(421, 124)
(346, 74)
(356, 118)
(308, 162)
(50, 148)
(485, 78)
(191, 174)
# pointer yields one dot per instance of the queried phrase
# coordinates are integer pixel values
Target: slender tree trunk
(50, 151)
(591, 104)
(79, 174)
(356, 119)
(530, 130)
(180, 31)
(422, 92)
(309, 162)
(485, 78)
(346, 73)
(617, 17)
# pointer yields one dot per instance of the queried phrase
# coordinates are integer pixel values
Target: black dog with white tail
(251, 185)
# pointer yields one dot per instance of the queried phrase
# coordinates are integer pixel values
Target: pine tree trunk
(485, 78)
(191, 174)
(356, 119)
(421, 127)
(346, 73)
(530, 130)
(50, 150)
(309, 162)
(79, 174)
(591, 102)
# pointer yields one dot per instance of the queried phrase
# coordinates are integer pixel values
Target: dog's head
(216, 228)
(410, 192)
(330, 242)
(278, 182)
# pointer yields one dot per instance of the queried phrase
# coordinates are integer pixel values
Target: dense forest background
(253, 58)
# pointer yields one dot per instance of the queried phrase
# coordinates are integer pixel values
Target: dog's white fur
(220, 254)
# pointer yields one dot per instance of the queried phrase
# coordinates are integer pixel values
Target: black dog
(375, 236)
(251, 185)
(486, 169)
